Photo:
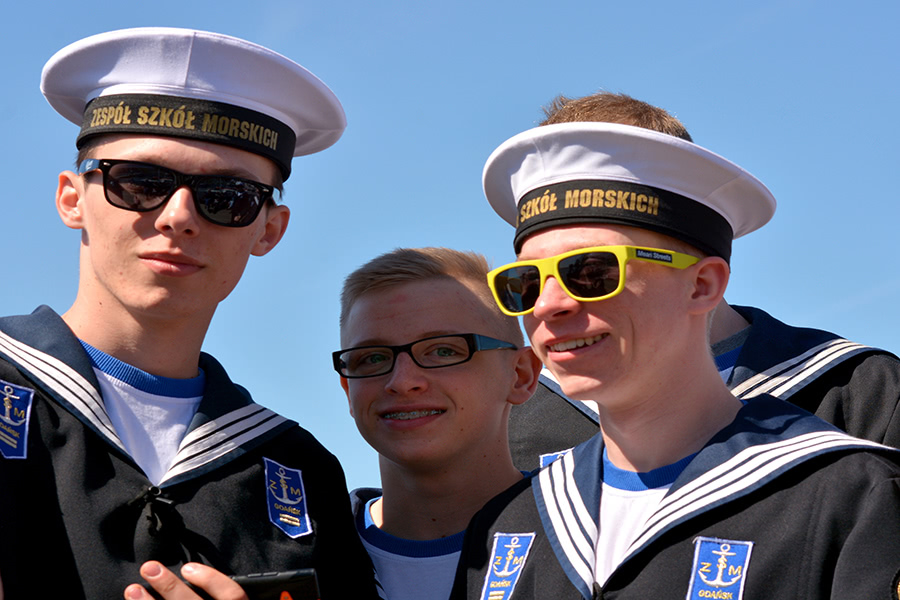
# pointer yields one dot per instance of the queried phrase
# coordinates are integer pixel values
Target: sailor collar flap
(767, 439)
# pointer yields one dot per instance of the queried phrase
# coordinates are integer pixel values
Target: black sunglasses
(142, 187)
(429, 353)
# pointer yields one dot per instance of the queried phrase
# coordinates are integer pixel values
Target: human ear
(277, 218)
(528, 368)
(710, 278)
(69, 193)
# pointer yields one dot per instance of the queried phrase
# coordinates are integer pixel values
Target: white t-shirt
(150, 414)
(628, 499)
(408, 569)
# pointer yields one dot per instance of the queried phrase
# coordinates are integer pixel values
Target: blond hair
(410, 265)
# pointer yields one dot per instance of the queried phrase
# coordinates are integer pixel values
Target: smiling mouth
(414, 414)
(572, 344)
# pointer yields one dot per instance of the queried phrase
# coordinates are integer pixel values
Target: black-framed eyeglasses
(432, 352)
(142, 187)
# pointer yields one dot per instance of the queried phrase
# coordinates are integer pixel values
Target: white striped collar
(227, 424)
(789, 376)
(734, 463)
(73, 390)
(800, 354)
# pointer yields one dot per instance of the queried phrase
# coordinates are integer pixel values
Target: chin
(581, 387)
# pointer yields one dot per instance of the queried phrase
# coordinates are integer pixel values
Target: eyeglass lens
(586, 275)
(429, 353)
(222, 200)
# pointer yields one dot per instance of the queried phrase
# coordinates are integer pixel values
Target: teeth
(572, 344)
(415, 414)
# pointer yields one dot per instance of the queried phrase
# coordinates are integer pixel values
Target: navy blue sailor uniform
(852, 386)
(548, 424)
(249, 490)
(778, 504)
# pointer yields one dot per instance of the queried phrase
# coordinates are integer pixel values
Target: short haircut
(607, 107)
(411, 265)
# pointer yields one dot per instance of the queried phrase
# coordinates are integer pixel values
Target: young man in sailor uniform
(855, 387)
(433, 400)
(431, 368)
(121, 441)
(623, 240)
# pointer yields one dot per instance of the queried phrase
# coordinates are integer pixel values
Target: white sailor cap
(193, 84)
(592, 172)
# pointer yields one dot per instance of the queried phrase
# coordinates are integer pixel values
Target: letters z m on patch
(286, 499)
(508, 557)
(720, 569)
(15, 412)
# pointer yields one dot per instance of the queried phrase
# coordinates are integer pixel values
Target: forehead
(188, 156)
(410, 311)
(556, 240)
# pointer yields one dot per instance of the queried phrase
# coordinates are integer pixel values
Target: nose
(406, 376)
(554, 302)
(179, 214)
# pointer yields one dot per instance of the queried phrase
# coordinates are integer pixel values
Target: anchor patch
(508, 556)
(720, 569)
(15, 412)
(286, 499)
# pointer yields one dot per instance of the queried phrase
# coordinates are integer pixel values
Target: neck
(165, 347)
(665, 426)
(436, 503)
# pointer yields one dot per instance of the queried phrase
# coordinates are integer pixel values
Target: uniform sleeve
(473, 561)
(860, 396)
(875, 387)
(547, 423)
(343, 566)
(868, 564)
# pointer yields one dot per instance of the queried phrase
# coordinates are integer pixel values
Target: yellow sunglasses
(586, 274)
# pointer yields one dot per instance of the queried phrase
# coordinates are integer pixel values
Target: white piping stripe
(815, 368)
(196, 440)
(574, 496)
(201, 446)
(759, 450)
(256, 428)
(758, 465)
(747, 461)
(779, 374)
(796, 368)
(565, 500)
(584, 571)
(53, 372)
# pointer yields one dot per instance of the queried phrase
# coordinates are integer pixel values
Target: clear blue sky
(803, 94)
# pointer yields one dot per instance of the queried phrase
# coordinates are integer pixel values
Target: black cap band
(622, 203)
(191, 118)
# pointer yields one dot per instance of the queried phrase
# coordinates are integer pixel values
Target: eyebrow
(427, 334)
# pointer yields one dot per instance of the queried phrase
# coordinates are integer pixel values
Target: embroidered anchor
(286, 506)
(8, 397)
(510, 556)
(282, 475)
(722, 564)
